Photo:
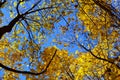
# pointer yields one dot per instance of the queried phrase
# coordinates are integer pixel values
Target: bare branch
(39, 10)
(34, 5)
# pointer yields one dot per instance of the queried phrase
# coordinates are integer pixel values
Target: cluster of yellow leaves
(89, 65)
(8, 57)
(84, 64)
(60, 64)
(48, 26)
(10, 76)
(8, 53)
(96, 20)
(63, 64)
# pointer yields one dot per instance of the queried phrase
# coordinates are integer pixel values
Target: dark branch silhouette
(28, 72)
(2, 3)
(8, 28)
(89, 50)
(110, 10)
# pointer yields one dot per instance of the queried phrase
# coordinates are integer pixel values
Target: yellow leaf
(15, 4)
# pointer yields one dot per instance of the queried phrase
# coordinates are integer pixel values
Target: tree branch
(28, 72)
(34, 5)
(9, 27)
(109, 9)
(2, 3)
(39, 10)
(95, 55)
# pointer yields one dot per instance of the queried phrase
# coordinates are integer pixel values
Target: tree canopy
(60, 39)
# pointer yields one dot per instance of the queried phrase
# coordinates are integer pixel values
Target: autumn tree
(23, 32)
(97, 38)
(84, 34)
